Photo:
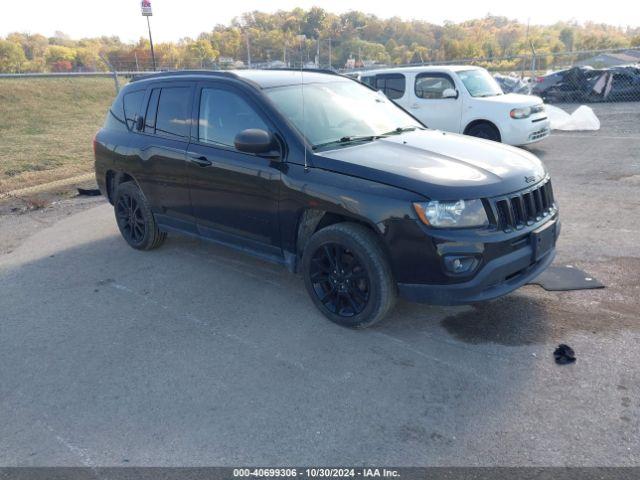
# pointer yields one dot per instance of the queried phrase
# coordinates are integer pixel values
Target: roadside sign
(145, 6)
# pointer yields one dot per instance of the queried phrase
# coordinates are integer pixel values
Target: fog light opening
(459, 264)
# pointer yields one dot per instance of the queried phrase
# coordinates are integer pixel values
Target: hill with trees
(350, 38)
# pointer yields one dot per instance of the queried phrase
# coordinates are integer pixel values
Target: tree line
(353, 39)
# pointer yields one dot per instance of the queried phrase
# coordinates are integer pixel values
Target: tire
(356, 289)
(484, 130)
(134, 218)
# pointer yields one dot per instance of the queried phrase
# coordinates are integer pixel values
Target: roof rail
(179, 73)
(314, 70)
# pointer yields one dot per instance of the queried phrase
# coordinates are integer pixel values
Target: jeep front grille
(523, 208)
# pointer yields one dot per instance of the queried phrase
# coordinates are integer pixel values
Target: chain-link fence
(583, 76)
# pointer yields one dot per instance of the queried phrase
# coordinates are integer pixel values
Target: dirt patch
(22, 217)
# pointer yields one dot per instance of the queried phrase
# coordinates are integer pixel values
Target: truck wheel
(134, 218)
(484, 130)
(348, 276)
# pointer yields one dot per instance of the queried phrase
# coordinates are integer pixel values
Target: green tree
(12, 57)
(201, 53)
(59, 53)
(567, 37)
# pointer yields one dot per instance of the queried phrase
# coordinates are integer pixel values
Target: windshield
(339, 112)
(479, 83)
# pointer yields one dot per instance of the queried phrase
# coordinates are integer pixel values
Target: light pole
(246, 32)
(145, 6)
(153, 54)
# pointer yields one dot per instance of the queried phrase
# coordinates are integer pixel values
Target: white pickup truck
(463, 99)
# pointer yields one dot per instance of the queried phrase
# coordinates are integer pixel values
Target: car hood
(438, 165)
(513, 99)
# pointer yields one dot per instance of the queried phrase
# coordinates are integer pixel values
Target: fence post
(113, 71)
(115, 80)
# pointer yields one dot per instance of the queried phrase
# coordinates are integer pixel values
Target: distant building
(226, 61)
(611, 59)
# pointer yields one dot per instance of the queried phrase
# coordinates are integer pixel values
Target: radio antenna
(302, 38)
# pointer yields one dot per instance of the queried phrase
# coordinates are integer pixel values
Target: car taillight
(539, 79)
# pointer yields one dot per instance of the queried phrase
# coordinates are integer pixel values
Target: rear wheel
(484, 130)
(134, 218)
(347, 275)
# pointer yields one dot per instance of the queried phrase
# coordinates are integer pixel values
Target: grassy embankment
(47, 127)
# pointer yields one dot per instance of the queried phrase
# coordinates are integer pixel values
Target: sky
(175, 19)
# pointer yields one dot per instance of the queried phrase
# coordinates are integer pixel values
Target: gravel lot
(197, 355)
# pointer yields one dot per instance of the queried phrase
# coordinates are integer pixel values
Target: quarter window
(371, 81)
(429, 86)
(224, 114)
(132, 102)
(172, 119)
(393, 86)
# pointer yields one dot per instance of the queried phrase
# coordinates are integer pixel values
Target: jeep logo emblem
(530, 179)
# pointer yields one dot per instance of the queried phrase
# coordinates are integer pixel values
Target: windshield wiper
(364, 138)
(399, 130)
(348, 139)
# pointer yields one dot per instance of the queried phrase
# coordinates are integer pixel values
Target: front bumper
(524, 132)
(497, 277)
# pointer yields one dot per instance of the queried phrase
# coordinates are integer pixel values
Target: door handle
(415, 106)
(200, 160)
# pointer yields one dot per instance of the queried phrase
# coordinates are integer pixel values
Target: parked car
(511, 84)
(321, 174)
(570, 85)
(463, 99)
(586, 85)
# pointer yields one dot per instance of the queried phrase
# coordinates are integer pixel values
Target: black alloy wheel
(134, 218)
(130, 220)
(347, 275)
(340, 280)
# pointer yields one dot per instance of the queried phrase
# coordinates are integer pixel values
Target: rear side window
(224, 114)
(132, 102)
(432, 86)
(393, 85)
(172, 118)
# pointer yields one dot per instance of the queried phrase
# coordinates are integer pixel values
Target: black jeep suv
(327, 177)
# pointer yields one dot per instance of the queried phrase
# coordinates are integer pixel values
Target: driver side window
(431, 87)
(224, 114)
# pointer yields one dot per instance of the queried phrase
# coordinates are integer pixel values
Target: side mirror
(449, 93)
(139, 123)
(256, 141)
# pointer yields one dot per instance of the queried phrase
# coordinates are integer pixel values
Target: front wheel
(135, 219)
(347, 275)
(484, 130)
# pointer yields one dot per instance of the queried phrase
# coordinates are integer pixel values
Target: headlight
(519, 113)
(460, 214)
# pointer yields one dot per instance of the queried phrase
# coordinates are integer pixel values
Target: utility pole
(330, 66)
(248, 49)
(526, 41)
(302, 38)
(318, 54)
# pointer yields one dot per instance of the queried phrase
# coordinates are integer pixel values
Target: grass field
(47, 127)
